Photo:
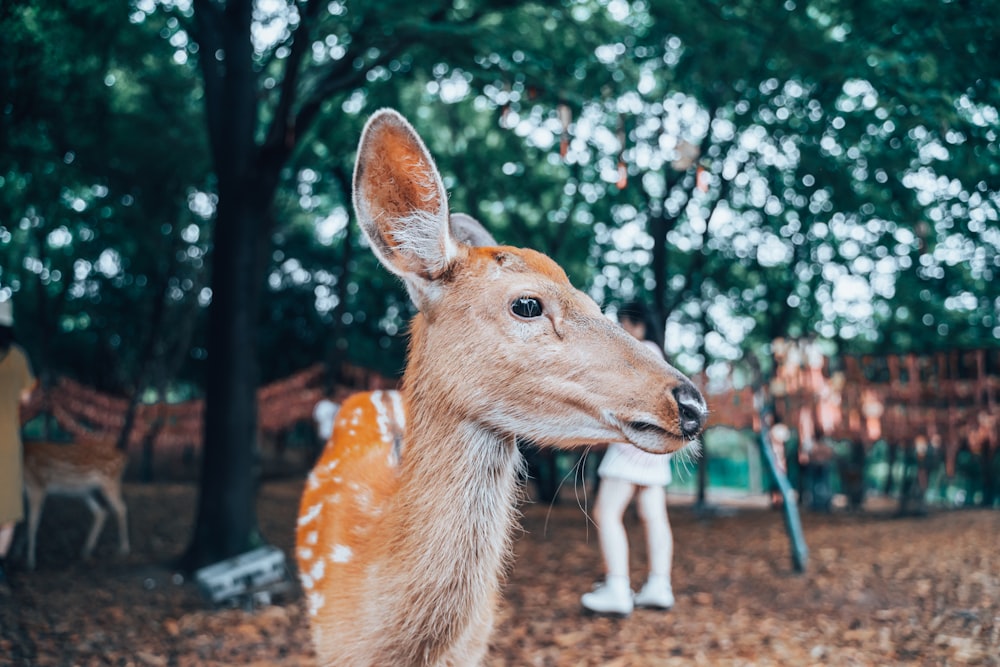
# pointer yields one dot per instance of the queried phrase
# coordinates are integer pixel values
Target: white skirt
(625, 461)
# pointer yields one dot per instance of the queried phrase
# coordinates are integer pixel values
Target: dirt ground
(878, 591)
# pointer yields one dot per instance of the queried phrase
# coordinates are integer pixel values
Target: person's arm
(28, 380)
(27, 392)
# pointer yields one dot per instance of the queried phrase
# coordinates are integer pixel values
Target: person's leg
(6, 536)
(615, 595)
(652, 502)
(657, 591)
(612, 499)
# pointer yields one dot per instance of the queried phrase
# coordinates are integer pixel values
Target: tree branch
(283, 125)
(207, 28)
(340, 78)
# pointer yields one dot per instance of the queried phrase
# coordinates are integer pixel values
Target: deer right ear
(401, 203)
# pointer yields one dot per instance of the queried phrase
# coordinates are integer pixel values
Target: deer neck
(453, 515)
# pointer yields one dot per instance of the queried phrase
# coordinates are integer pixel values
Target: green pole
(800, 552)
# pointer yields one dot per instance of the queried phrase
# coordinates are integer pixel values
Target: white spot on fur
(310, 514)
(397, 408)
(313, 481)
(381, 417)
(316, 602)
(364, 500)
(307, 582)
(341, 554)
(318, 569)
(305, 553)
(312, 537)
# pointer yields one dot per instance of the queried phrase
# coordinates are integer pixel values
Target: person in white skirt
(626, 472)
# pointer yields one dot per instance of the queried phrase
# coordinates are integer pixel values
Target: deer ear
(466, 229)
(401, 203)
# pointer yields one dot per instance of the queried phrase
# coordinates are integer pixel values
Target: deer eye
(527, 307)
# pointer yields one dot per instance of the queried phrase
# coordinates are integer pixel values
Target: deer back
(72, 467)
(355, 474)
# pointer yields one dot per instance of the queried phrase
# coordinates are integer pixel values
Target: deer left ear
(402, 205)
(466, 229)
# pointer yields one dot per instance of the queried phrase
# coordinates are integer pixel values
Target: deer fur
(80, 470)
(401, 548)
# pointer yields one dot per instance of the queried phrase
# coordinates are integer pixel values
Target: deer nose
(691, 409)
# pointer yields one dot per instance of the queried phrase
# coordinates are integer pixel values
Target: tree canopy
(850, 154)
(175, 175)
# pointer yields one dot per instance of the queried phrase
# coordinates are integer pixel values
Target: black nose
(691, 409)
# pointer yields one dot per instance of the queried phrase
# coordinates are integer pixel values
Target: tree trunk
(226, 522)
(334, 353)
(659, 226)
(891, 460)
(989, 475)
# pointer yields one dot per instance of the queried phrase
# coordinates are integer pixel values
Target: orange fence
(948, 401)
(173, 432)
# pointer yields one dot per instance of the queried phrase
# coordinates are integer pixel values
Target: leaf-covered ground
(879, 591)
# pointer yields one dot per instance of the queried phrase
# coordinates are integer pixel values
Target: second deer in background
(82, 470)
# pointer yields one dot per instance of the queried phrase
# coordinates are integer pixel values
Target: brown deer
(80, 470)
(376, 419)
(402, 541)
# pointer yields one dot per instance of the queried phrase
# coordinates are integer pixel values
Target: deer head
(503, 340)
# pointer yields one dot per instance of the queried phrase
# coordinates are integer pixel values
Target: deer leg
(114, 498)
(100, 514)
(36, 499)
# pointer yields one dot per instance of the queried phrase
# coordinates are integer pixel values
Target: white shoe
(612, 597)
(656, 592)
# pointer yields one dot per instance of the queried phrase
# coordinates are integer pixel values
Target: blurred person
(778, 435)
(16, 383)
(324, 413)
(626, 472)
